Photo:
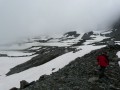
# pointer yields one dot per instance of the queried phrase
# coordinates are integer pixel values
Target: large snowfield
(32, 74)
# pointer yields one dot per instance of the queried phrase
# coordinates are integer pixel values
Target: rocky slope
(76, 75)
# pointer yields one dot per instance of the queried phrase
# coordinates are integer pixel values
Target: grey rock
(86, 36)
(72, 33)
(14, 88)
(43, 77)
(92, 79)
(3, 55)
(23, 84)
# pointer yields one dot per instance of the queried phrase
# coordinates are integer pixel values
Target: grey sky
(20, 18)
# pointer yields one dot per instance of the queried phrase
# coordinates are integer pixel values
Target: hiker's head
(102, 52)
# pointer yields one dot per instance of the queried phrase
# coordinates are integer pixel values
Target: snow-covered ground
(8, 62)
(28, 45)
(15, 53)
(74, 40)
(117, 42)
(97, 38)
(35, 48)
(56, 41)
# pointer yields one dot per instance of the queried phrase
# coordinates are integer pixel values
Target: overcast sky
(20, 18)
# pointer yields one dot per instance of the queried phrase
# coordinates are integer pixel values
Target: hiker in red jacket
(103, 62)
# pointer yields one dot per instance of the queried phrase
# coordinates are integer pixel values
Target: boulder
(14, 88)
(72, 33)
(23, 84)
(43, 77)
(93, 79)
(86, 36)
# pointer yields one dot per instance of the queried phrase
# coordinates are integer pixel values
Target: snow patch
(97, 38)
(118, 54)
(119, 63)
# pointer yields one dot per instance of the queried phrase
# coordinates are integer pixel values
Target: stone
(43, 77)
(23, 84)
(93, 79)
(14, 88)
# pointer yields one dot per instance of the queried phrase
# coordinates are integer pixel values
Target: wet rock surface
(76, 75)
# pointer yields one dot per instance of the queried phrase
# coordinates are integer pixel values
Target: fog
(25, 18)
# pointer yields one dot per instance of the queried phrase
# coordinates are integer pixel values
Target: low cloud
(24, 18)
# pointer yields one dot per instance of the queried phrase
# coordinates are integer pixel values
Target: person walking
(103, 62)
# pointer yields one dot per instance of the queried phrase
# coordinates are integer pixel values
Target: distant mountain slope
(47, 53)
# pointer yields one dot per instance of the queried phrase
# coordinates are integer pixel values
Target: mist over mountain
(25, 18)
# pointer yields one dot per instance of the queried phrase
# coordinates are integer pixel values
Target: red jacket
(103, 60)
